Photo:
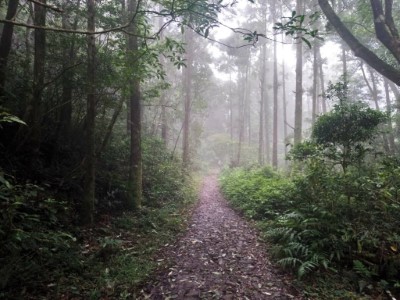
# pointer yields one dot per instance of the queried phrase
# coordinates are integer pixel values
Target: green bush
(327, 217)
(259, 193)
(34, 243)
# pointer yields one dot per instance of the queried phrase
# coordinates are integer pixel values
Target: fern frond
(289, 262)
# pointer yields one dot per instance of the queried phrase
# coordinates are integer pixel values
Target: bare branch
(47, 6)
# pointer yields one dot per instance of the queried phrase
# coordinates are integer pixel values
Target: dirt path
(220, 257)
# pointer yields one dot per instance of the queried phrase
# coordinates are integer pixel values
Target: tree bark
(385, 28)
(359, 49)
(284, 108)
(64, 130)
(33, 112)
(275, 97)
(5, 44)
(314, 112)
(298, 122)
(262, 110)
(87, 207)
(321, 77)
(262, 103)
(391, 138)
(135, 124)
(187, 81)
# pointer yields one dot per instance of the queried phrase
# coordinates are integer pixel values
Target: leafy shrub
(259, 193)
(163, 176)
(34, 243)
(325, 218)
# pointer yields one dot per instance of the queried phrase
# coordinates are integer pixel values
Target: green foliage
(296, 27)
(163, 178)
(35, 245)
(264, 190)
(324, 219)
(342, 135)
(347, 124)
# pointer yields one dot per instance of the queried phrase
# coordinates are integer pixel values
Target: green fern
(363, 270)
(290, 262)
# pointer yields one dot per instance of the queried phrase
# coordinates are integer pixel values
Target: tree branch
(47, 6)
(383, 30)
(357, 47)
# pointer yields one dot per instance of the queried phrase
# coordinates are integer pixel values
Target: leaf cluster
(295, 27)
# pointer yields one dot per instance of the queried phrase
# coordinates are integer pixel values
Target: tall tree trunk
(344, 61)
(321, 77)
(135, 165)
(187, 75)
(5, 44)
(241, 96)
(67, 88)
(87, 207)
(232, 148)
(33, 112)
(163, 100)
(391, 139)
(248, 104)
(262, 103)
(267, 132)
(275, 97)
(298, 118)
(164, 125)
(314, 112)
(284, 109)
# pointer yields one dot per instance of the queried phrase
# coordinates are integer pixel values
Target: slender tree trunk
(230, 107)
(284, 108)
(163, 100)
(5, 43)
(391, 139)
(241, 96)
(87, 207)
(164, 125)
(267, 113)
(315, 85)
(344, 61)
(248, 104)
(275, 97)
(33, 112)
(187, 75)
(262, 103)
(298, 118)
(135, 165)
(321, 77)
(67, 88)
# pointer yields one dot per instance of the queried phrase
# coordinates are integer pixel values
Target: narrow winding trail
(219, 257)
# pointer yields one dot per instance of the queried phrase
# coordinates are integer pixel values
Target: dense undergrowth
(324, 223)
(335, 220)
(44, 254)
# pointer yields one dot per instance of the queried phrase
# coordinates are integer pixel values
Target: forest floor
(221, 256)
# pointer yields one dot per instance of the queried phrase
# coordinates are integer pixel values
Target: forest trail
(219, 257)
